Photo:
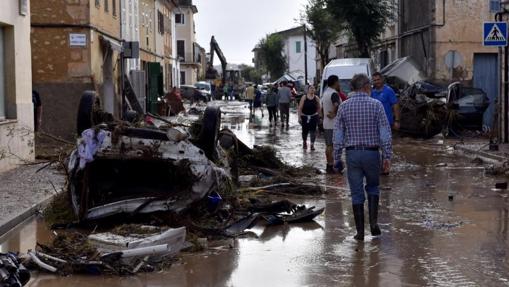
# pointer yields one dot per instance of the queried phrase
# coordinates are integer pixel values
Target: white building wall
(16, 132)
(130, 28)
(296, 60)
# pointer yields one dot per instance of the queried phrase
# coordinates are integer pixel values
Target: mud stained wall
(462, 32)
(60, 106)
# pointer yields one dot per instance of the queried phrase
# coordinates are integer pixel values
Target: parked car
(205, 88)
(191, 93)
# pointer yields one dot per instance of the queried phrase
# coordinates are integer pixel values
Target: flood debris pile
(140, 195)
(109, 253)
(12, 272)
(428, 108)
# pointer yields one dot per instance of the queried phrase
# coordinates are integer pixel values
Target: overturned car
(427, 108)
(118, 168)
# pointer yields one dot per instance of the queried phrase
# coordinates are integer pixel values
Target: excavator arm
(214, 49)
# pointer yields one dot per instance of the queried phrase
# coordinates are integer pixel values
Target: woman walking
(309, 108)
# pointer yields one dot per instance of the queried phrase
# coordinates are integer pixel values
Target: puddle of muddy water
(422, 243)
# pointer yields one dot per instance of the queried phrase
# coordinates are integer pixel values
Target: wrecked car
(428, 108)
(119, 168)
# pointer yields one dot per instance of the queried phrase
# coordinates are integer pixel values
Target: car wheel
(210, 131)
(85, 118)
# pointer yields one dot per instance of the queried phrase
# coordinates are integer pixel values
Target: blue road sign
(495, 34)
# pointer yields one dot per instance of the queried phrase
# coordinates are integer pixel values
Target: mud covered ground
(428, 240)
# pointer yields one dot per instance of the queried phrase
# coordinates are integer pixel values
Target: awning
(110, 43)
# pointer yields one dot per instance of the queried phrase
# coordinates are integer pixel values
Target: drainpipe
(505, 99)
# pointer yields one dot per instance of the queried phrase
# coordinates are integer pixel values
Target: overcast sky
(239, 24)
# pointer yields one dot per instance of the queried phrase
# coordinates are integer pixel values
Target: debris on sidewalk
(12, 271)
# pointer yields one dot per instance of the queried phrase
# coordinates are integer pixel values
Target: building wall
(62, 73)
(296, 60)
(186, 32)
(104, 19)
(462, 32)
(147, 25)
(130, 28)
(16, 133)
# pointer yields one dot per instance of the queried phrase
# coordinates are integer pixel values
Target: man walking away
(250, 95)
(362, 129)
(387, 97)
(330, 103)
(271, 101)
(285, 97)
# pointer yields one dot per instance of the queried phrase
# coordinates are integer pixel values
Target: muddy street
(443, 224)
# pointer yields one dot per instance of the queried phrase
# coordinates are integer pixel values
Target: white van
(345, 69)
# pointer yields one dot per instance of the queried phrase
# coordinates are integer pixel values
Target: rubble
(12, 271)
(148, 190)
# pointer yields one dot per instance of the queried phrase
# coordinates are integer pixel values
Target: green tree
(323, 27)
(365, 19)
(271, 55)
(250, 74)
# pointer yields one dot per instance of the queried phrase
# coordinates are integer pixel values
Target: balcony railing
(189, 58)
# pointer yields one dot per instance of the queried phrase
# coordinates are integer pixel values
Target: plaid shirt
(361, 122)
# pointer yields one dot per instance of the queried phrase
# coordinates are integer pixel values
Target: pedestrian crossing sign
(495, 34)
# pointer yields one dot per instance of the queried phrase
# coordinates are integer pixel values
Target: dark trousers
(363, 164)
(309, 127)
(284, 108)
(272, 114)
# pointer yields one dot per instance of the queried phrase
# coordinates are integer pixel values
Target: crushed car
(120, 168)
(428, 108)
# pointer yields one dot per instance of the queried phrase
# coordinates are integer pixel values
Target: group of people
(277, 100)
(360, 124)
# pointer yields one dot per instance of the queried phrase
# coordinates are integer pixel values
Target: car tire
(210, 131)
(85, 119)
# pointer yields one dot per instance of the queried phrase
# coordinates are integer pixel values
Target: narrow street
(428, 239)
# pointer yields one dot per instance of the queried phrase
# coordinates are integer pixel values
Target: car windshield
(202, 86)
(345, 86)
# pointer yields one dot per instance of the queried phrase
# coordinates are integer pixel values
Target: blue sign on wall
(495, 34)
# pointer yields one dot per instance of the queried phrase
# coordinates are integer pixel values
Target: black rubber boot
(373, 215)
(358, 214)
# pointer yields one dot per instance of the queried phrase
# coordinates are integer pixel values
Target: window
(182, 77)
(298, 47)
(97, 3)
(114, 7)
(495, 6)
(160, 22)
(179, 19)
(181, 49)
(106, 6)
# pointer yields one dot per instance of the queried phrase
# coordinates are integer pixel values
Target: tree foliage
(323, 27)
(271, 55)
(366, 19)
(250, 74)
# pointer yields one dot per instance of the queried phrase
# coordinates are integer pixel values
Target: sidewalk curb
(483, 154)
(20, 218)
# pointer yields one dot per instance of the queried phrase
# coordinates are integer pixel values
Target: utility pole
(305, 55)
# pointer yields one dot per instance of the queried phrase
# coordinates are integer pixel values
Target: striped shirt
(361, 122)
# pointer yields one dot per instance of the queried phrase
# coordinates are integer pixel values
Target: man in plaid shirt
(363, 130)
